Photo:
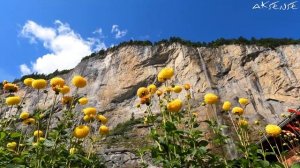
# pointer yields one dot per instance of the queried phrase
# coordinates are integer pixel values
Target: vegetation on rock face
(38, 139)
(264, 42)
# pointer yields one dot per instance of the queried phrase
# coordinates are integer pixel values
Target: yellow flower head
(10, 87)
(273, 130)
(73, 151)
(165, 74)
(87, 118)
(41, 139)
(142, 91)
(103, 130)
(79, 81)
(226, 106)
(175, 105)
(243, 123)
(89, 111)
(152, 88)
(66, 100)
(29, 121)
(38, 133)
(57, 81)
(102, 119)
(187, 86)
(24, 115)
(81, 131)
(177, 89)
(237, 110)
(159, 93)
(168, 89)
(64, 90)
(11, 145)
(28, 81)
(210, 98)
(12, 100)
(243, 101)
(145, 100)
(83, 101)
(39, 83)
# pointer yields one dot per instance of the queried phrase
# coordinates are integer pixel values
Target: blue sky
(41, 36)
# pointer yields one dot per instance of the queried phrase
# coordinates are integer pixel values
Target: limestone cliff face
(268, 77)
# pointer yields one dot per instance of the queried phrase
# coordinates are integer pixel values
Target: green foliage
(122, 128)
(42, 76)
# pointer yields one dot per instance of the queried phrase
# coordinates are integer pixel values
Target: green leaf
(203, 143)
(296, 165)
(2, 135)
(48, 143)
(170, 126)
(15, 135)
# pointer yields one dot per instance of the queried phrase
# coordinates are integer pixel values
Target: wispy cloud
(66, 47)
(117, 32)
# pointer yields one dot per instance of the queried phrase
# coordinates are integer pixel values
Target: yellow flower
(165, 73)
(168, 89)
(11, 87)
(177, 89)
(66, 100)
(226, 106)
(273, 130)
(89, 111)
(57, 81)
(24, 115)
(72, 151)
(237, 110)
(38, 133)
(175, 105)
(159, 93)
(65, 89)
(87, 118)
(102, 119)
(256, 122)
(13, 100)
(35, 144)
(243, 122)
(187, 86)
(28, 81)
(152, 88)
(81, 131)
(83, 101)
(29, 121)
(79, 81)
(243, 101)
(11, 145)
(142, 91)
(41, 139)
(103, 130)
(210, 98)
(145, 100)
(160, 79)
(39, 83)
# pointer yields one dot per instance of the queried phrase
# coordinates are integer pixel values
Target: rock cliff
(268, 77)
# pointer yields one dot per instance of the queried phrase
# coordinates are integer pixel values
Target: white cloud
(118, 33)
(66, 47)
(25, 70)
